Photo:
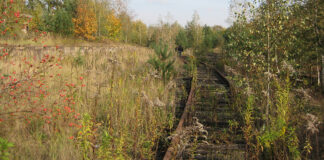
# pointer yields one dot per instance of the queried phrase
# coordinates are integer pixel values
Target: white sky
(211, 12)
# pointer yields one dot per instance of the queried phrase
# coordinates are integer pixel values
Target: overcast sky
(211, 12)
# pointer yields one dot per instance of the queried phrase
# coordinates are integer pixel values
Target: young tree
(209, 38)
(163, 61)
(139, 33)
(113, 27)
(182, 40)
(194, 31)
(85, 22)
(63, 22)
(126, 23)
(321, 38)
(37, 13)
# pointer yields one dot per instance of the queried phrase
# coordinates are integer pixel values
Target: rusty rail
(170, 153)
(176, 139)
(222, 76)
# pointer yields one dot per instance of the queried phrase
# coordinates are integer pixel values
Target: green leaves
(79, 60)
(84, 136)
(270, 42)
(163, 61)
(4, 147)
(63, 22)
(182, 39)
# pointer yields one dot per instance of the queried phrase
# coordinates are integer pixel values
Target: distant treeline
(102, 20)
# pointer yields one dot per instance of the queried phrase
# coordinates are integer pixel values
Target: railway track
(208, 128)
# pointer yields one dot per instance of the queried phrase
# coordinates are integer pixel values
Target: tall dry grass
(105, 105)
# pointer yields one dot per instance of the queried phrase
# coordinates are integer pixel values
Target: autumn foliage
(11, 19)
(27, 93)
(113, 27)
(85, 22)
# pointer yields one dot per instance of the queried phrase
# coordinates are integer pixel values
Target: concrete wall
(322, 74)
(64, 50)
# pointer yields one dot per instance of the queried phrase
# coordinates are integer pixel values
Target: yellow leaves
(308, 147)
(85, 23)
(283, 131)
(113, 26)
(267, 145)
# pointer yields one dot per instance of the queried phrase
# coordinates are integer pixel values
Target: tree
(163, 61)
(85, 22)
(63, 22)
(209, 38)
(126, 22)
(139, 33)
(113, 27)
(37, 13)
(194, 31)
(321, 38)
(182, 40)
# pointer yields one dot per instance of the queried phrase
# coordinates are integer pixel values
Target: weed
(4, 147)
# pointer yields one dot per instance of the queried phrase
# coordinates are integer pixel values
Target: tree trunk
(322, 74)
(268, 61)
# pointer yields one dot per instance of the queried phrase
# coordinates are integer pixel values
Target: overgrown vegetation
(273, 51)
(120, 104)
(73, 106)
(79, 110)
